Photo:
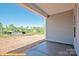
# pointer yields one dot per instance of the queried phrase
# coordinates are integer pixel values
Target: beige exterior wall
(76, 39)
(59, 28)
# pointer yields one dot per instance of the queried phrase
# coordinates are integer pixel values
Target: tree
(1, 29)
(12, 28)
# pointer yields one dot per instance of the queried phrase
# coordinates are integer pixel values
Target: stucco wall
(59, 27)
(76, 39)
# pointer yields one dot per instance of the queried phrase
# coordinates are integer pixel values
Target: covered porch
(60, 32)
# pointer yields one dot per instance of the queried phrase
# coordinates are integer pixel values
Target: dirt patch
(14, 42)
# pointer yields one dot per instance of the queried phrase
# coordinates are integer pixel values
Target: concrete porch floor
(47, 48)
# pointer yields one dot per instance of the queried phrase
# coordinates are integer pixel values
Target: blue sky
(19, 16)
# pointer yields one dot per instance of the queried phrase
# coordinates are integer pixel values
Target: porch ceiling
(53, 8)
(46, 9)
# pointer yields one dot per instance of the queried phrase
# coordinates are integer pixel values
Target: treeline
(24, 30)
